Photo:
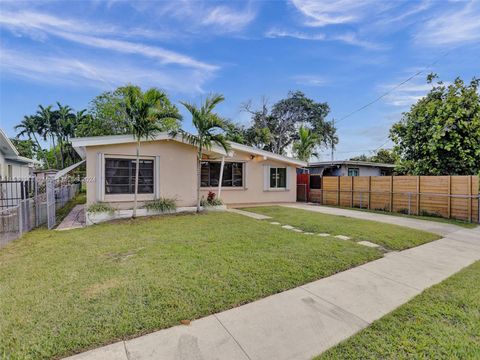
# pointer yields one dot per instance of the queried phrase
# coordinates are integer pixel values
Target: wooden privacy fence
(446, 196)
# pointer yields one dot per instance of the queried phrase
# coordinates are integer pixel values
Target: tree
(275, 128)
(304, 147)
(384, 156)
(440, 135)
(235, 132)
(65, 122)
(29, 127)
(209, 128)
(27, 148)
(147, 113)
(47, 126)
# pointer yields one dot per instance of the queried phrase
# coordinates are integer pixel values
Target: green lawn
(64, 292)
(462, 223)
(441, 323)
(390, 236)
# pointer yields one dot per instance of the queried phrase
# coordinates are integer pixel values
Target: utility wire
(394, 88)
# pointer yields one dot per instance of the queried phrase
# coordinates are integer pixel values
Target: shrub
(100, 207)
(211, 200)
(162, 205)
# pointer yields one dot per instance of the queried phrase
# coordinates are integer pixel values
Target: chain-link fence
(24, 210)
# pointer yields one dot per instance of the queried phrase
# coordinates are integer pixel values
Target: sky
(347, 53)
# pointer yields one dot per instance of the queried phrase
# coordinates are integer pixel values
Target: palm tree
(28, 127)
(147, 114)
(304, 147)
(64, 118)
(207, 125)
(48, 126)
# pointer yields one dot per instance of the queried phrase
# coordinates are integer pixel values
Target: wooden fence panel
(446, 196)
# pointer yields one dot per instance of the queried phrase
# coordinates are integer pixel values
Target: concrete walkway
(305, 321)
(431, 226)
(74, 220)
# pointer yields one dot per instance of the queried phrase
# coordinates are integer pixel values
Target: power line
(394, 88)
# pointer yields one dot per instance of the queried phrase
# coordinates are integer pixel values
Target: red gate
(303, 187)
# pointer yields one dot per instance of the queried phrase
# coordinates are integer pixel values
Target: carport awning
(65, 171)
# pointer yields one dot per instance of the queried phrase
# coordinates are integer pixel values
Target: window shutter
(157, 177)
(266, 177)
(289, 177)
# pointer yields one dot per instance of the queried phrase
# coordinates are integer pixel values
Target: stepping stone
(275, 223)
(342, 237)
(289, 227)
(368, 243)
(297, 230)
(308, 233)
(323, 234)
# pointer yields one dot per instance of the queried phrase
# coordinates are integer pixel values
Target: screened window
(278, 177)
(120, 176)
(353, 171)
(232, 174)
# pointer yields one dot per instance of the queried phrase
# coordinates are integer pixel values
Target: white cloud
(97, 72)
(330, 12)
(309, 80)
(452, 27)
(228, 19)
(407, 94)
(41, 25)
(276, 33)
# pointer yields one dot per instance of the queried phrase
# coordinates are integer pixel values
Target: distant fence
(28, 203)
(454, 197)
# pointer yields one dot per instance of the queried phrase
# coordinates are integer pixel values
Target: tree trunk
(55, 152)
(41, 151)
(60, 146)
(199, 172)
(137, 172)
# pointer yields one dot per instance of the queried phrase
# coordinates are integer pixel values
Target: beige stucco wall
(178, 176)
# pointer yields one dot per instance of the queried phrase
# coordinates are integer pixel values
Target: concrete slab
(471, 237)
(342, 237)
(323, 234)
(250, 214)
(297, 230)
(405, 270)
(308, 233)
(432, 226)
(363, 293)
(275, 223)
(114, 351)
(291, 325)
(201, 340)
(288, 227)
(74, 220)
(368, 243)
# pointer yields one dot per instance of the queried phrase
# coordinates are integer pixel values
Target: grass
(441, 323)
(390, 236)
(66, 292)
(458, 222)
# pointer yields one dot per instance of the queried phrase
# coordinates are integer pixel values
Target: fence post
(20, 219)
(369, 191)
(361, 196)
(351, 190)
(36, 204)
(391, 193)
(418, 195)
(470, 198)
(338, 190)
(450, 196)
(409, 202)
(321, 190)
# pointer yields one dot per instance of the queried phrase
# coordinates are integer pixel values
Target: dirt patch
(97, 289)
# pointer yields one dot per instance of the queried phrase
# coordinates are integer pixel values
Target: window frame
(353, 169)
(131, 176)
(277, 178)
(242, 186)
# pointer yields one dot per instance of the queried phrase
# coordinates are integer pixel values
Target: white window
(9, 171)
(353, 171)
(278, 178)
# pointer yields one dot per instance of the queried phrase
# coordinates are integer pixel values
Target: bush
(211, 200)
(100, 207)
(162, 205)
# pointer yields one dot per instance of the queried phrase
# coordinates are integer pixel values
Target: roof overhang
(80, 144)
(350, 162)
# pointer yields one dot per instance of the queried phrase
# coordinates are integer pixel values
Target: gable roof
(10, 151)
(79, 144)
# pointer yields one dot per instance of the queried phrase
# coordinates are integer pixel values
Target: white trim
(79, 144)
(222, 165)
(156, 177)
(100, 168)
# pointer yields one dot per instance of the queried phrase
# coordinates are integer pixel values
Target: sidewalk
(431, 226)
(74, 220)
(305, 321)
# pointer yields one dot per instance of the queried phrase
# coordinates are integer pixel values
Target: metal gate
(50, 189)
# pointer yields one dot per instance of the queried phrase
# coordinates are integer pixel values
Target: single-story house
(12, 165)
(349, 168)
(168, 168)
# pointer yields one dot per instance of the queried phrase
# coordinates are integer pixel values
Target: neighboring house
(12, 165)
(168, 168)
(42, 174)
(349, 168)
